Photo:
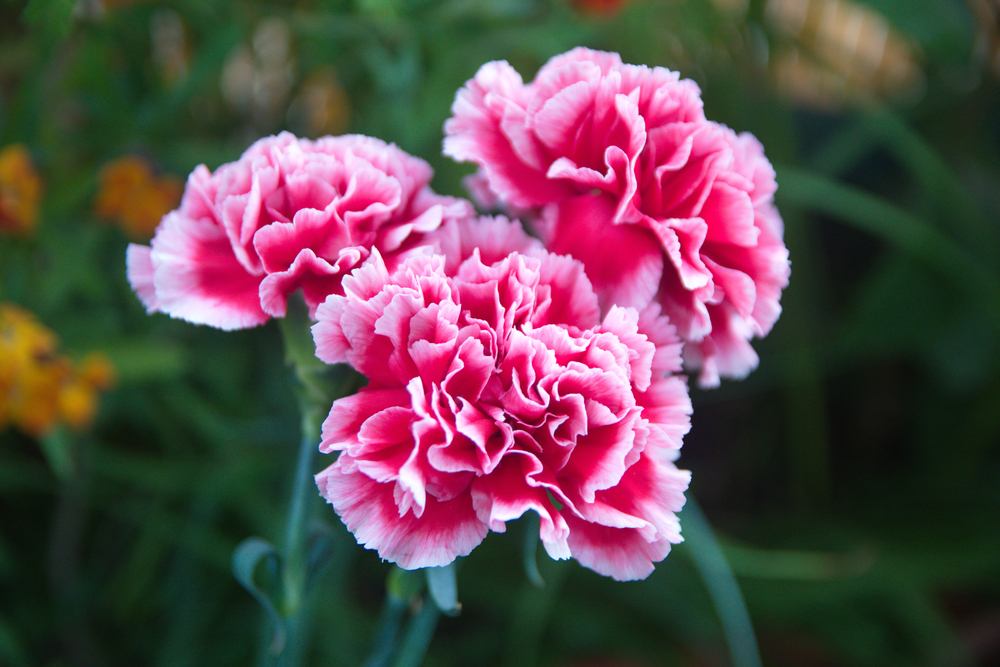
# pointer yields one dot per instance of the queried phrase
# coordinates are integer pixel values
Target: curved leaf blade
(247, 555)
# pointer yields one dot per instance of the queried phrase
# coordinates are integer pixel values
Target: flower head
(619, 162)
(499, 391)
(290, 213)
(20, 190)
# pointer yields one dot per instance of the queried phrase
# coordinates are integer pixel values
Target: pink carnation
(629, 177)
(499, 391)
(289, 214)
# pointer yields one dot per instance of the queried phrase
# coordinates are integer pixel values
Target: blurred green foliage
(854, 478)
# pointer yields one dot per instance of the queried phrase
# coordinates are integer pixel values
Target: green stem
(295, 535)
(314, 396)
(722, 587)
(387, 631)
(418, 636)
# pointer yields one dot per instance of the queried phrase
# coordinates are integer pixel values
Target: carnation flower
(500, 391)
(290, 213)
(626, 175)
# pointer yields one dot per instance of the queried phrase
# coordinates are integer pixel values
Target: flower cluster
(507, 373)
(40, 388)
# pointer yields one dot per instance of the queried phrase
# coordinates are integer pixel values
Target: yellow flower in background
(20, 190)
(78, 394)
(133, 196)
(40, 388)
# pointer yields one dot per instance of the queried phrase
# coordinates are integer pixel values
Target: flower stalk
(429, 592)
(316, 389)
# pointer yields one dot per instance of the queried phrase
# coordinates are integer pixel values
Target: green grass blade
(722, 587)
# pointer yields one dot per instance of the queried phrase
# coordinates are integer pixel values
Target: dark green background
(854, 479)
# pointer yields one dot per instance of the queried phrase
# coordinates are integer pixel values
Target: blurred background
(853, 480)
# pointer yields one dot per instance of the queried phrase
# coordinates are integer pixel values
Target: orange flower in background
(20, 190)
(133, 196)
(40, 388)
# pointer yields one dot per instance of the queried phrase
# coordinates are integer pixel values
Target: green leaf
(250, 553)
(711, 563)
(792, 565)
(900, 228)
(386, 631)
(323, 547)
(57, 445)
(53, 17)
(531, 522)
(147, 360)
(418, 637)
(443, 588)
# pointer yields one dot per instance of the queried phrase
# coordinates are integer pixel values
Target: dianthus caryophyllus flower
(500, 391)
(627, 175)
(290, 213)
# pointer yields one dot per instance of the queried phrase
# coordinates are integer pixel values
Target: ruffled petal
(631, 526)
(494, 98)
(475, 395)
(317, 277)
(290, 214)
(697, 197)
(444, 531)
(139, 268)
(513, 489)
(197, 277)
(581, 229)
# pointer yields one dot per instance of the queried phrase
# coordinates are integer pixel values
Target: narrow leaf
(387, 632)
(899, 228)
(57, 445)
(246, 557)
(323, 547)
(418, 637)
(708, 558)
